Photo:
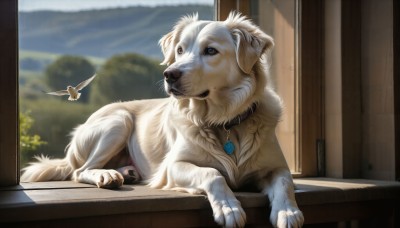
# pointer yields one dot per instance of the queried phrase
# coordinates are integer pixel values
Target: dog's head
(213, 60)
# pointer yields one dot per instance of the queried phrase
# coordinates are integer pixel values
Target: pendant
(229, 147)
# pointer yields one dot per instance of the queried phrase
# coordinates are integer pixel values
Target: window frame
(396, 83)
(311, 87)
(310, 42)
(9, 130)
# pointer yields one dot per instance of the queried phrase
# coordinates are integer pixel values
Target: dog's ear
(251, 43)
(169, 41)
(167, 48)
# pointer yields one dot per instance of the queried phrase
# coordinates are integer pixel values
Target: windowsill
(68, 202)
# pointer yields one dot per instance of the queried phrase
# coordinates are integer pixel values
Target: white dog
(216, 131)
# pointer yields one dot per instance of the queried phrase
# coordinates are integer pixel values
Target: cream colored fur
(177, 142)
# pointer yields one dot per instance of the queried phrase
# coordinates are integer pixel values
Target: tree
(127, 77)
(69, 70)
(54, 120)
(28, 143)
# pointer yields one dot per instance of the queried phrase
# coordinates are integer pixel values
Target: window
(223, 8)
(311, 96)
(116, 40)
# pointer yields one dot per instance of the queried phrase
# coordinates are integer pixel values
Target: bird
(73, 92)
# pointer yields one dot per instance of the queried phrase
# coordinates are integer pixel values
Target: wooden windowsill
(68, 203)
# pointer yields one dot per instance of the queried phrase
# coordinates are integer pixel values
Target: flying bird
(73, 92)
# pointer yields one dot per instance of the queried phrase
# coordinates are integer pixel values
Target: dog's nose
(172, 75)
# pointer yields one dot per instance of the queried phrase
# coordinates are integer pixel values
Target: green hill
(102, 33)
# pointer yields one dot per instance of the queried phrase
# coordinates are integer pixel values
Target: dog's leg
(280, 190)
(226, 208)
(97, 142)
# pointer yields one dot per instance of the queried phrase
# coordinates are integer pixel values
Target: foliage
(99, 33)
(36, 61)
(54, 120)
(28, 143)
(127, 77)
(69, 70)
(123, 77)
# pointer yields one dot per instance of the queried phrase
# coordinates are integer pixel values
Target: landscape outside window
(63, 42)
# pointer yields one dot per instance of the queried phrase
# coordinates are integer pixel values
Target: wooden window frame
(311, 110)
(311, 87)
(372, 198)
(9, 163)
(396, 83)
(310, 84)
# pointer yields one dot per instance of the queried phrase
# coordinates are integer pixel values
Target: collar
(240, 118)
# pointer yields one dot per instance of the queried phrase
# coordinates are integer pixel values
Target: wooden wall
(378, 144)
(359, 89)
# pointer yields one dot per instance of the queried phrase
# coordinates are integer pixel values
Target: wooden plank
(311, 83)
(396, 83)
(9, 166)
(224, 7)
(46, 185)
(377, 87)
(48, 204)
(88, 205)
(346, 212)
(351, 88)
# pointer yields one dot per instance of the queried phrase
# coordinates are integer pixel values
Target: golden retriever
(214, 133)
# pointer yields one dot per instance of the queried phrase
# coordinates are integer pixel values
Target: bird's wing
(85, 83)
(59, 93)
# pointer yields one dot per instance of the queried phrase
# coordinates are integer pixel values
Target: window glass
(63, 43)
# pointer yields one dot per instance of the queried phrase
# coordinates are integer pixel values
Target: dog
(214, 133)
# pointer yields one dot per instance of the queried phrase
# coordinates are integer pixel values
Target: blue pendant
(229, 147)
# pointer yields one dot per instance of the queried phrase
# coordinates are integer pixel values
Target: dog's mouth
(204, 94)
(178, 93)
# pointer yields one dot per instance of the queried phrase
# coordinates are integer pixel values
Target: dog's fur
(216, 72)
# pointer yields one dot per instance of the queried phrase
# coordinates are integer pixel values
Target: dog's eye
(179, 50)
(210, 51)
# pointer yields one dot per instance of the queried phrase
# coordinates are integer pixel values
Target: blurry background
(62, 43)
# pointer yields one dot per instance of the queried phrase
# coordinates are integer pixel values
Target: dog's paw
(108, 178)
(289, 217)
(130, 174)
(229, 213)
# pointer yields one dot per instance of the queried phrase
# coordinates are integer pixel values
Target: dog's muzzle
(172, 75)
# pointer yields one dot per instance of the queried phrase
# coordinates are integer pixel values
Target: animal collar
(229, 147)
(240, 118)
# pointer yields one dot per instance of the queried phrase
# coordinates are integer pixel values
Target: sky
(77, 5)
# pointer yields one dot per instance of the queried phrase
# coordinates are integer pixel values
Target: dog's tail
(46, 169)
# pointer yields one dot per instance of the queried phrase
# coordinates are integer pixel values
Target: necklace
(229, 147)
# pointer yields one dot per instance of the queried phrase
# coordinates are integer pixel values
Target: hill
(102, 33)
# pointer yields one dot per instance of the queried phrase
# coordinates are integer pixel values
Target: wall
(378, 147)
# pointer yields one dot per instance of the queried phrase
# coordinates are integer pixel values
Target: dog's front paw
(108, 178)
(289, 217)
(229, 213)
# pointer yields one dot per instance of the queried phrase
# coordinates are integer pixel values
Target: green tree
(69, 70)
(28, 143)
(127, 77)
(54, 121)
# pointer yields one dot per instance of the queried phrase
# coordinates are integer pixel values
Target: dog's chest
(244, 158)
